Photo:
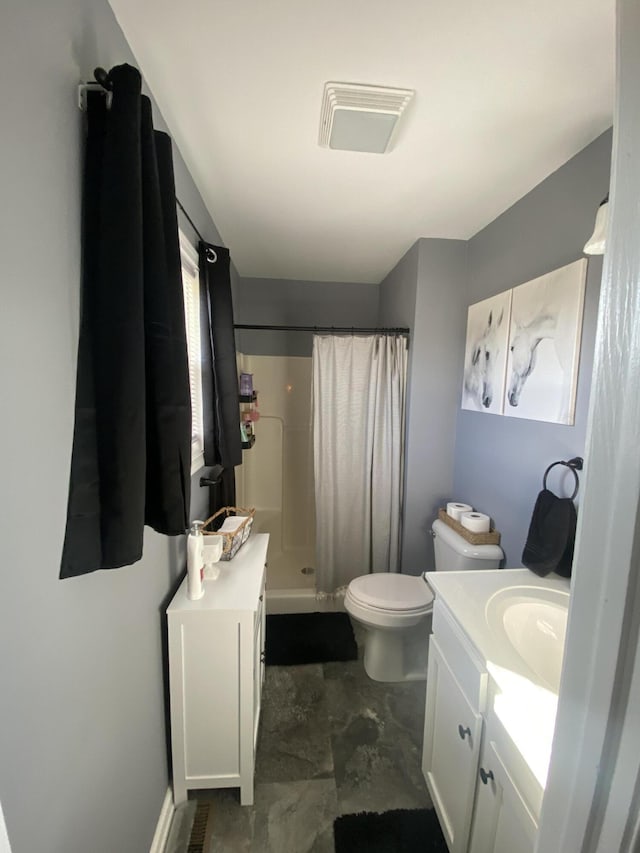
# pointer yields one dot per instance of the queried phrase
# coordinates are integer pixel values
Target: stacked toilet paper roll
(455, 510)
(475, 522)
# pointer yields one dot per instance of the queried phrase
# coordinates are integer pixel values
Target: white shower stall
(276, 478)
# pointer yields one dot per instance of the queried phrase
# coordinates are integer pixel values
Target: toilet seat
(389, 592)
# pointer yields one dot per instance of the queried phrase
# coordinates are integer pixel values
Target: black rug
(294, 638)
(399, 831)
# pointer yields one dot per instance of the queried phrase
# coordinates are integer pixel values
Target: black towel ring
(574, 465)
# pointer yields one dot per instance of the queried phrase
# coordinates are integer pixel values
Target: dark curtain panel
(132, 438)
(168, 473)
(222, 442)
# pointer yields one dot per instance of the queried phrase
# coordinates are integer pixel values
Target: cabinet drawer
(464, 661)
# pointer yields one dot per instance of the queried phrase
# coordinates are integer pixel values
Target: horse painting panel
(544, 346)
(486, 354)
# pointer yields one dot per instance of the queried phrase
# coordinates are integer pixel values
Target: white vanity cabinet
(456, 695)
(216, 672)
(480, 750)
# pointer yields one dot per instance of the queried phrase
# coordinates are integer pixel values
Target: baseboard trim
(163, 826)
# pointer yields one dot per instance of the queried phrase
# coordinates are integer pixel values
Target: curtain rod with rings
(190, 220)
(325, 329)
(103, 84)
(210, 252)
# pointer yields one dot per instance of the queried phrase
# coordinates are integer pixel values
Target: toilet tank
(455, 554)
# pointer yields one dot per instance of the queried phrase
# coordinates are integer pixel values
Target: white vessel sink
(533, 620)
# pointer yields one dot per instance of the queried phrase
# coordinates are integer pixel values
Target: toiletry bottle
(195, 561)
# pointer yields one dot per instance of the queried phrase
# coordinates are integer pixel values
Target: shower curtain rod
(325, 329)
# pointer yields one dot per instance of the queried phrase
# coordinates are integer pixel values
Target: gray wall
(83, 759)
(499, 461)
(426, 291)
(299, 303)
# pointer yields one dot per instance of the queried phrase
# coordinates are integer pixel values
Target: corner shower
(277, 473)
(276, 477)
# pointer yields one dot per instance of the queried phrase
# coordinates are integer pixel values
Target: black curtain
(222, 441)
(131, 451)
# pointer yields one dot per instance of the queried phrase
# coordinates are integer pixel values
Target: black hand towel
(552, 533)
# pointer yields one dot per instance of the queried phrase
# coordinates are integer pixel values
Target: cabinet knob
(261, 597)
(485, 776)
(262, 656)
(464, 732)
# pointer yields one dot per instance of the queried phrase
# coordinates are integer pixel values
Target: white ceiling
(506, 92)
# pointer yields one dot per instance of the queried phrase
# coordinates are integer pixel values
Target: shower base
(302, 600)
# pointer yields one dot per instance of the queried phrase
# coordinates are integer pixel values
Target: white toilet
(396, 609)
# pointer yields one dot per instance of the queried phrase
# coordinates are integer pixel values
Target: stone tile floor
(331, 742)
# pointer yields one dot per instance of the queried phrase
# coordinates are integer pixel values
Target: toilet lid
(392, 591)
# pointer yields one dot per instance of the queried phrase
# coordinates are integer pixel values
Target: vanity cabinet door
(502, 823)
(453, 729)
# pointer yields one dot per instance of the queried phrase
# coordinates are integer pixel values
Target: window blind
(191, 286)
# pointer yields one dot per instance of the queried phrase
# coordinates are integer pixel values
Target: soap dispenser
(195, 561)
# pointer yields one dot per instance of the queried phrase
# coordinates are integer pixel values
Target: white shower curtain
(358, 442)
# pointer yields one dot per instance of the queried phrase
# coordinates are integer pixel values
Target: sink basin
(533, 622)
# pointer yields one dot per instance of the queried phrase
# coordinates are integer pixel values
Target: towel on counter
(232, 523)
(552, 533)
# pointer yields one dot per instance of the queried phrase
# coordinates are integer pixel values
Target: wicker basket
(233, 541)
(490, 538)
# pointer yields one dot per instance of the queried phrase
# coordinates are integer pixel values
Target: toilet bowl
(394, 610)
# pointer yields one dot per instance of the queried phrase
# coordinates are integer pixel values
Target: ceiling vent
(357, 117)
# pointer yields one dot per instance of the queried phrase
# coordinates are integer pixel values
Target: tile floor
(331, 742)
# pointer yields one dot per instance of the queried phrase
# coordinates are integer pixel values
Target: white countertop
(524, 703)
(469, 594)
(239, 580)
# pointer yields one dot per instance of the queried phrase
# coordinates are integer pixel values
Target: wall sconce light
(596, 244)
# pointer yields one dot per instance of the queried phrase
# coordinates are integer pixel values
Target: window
(191, 288)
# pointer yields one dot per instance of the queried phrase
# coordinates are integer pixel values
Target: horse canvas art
(486, 354)
(544, 345)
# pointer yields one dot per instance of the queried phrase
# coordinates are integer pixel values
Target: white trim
(5, 847)
(163, 826)
(621, 817)
(596, 711)
(188, 251)
(197, 461)
(191, 287)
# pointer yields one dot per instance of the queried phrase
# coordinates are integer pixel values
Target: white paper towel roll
(455, 510)
(475, 522)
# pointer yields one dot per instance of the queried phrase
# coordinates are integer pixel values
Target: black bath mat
(294, 638)
(398, 831)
